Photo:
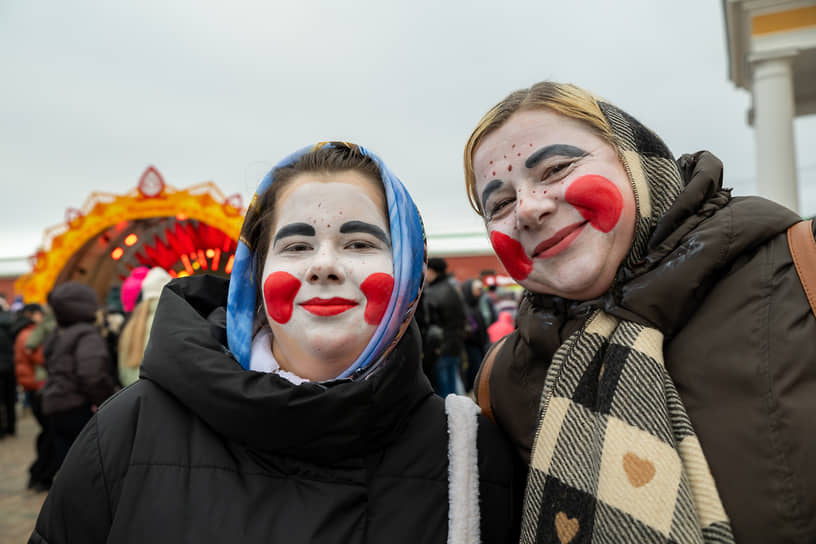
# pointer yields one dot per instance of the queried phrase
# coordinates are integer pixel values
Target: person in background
(446, 311)
(506, 301)
(131, 287)
(287, 403)
(486, 302)
(8, 382)
(136, 331)
(476, 340)
(661, 385)
(503, 326)
(31, 374)
(77, 362)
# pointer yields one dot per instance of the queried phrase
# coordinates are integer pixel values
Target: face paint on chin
(279, 292)
(512, 255)
(377, 290)
(597, 199)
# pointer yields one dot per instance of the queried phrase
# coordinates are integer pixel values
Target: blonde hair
(564, 98)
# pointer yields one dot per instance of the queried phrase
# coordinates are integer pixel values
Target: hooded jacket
(200, 450)
(76, 356)
(719, 282)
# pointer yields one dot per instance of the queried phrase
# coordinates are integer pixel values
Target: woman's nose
(533, 205)
(324, 267)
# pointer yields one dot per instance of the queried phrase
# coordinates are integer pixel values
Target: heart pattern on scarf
(566, 527)
(639, 471)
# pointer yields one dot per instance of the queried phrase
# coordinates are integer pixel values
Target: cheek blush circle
(512, 255)
(279, 292)
(377, 290)
(597, 199)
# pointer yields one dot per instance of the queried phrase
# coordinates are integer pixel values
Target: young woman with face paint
(659, 385)
(289, 404)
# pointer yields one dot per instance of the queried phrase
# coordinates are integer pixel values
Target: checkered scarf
(615, 458)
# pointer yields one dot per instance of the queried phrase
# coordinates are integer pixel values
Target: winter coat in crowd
(29, 364)
(446, 310)
(503, 326)
(75, 353)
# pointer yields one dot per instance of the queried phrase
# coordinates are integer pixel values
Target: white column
(773, 126)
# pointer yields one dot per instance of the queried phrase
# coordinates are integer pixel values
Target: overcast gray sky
(92, 92)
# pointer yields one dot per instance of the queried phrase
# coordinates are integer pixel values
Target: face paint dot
(505, 156)
(509, 167)
(491, 162)
(341, 213)
(519, 154)
(514, 145)
(494, 172)
(531, 145)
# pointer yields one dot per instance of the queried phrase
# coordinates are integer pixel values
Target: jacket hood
(408, 252)
(73, 302)
(187, 356)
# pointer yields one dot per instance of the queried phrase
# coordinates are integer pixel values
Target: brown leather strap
(803, 249)
(483, 391)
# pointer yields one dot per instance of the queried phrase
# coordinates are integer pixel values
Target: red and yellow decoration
(200, 233)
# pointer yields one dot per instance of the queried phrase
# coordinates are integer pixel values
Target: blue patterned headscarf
(408, 250)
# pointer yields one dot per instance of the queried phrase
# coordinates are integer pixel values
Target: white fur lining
(463, 470)
(261, 358)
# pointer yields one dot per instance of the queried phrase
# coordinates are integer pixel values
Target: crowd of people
(61, 360)
(653, 380)
(459, 322)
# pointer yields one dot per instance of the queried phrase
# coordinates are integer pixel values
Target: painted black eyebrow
(368, 228)
(491, 186)
(560, 150)
(294, 229)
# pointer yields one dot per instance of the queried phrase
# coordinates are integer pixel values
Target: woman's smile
(560, 241)
(327, 306)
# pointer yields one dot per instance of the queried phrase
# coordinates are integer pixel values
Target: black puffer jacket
(447, 310)
(200, 450)
(76, 356)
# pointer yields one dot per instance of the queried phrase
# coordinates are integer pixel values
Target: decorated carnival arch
(185, 231)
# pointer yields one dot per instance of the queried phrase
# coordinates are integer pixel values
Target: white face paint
(558, 204)
(328, 275)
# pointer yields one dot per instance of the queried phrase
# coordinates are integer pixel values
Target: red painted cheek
(279, 292)
(377, 290)
(512, 255)
(597, 199)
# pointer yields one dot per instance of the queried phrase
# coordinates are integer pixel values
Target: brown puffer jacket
(76, 355)
(740, 344)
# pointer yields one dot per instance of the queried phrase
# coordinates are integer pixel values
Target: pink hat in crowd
(131, 287)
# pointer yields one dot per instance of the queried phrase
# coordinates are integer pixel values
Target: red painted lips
(558, 242)
(327, 306)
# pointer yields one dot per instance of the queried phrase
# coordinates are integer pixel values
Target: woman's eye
(360, 244)
(499, 206)
(297, 246)
(554, 170)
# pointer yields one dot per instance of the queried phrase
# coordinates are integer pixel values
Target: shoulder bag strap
(483, 379)
(803, 250)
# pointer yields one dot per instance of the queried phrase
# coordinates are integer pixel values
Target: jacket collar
(187, 356)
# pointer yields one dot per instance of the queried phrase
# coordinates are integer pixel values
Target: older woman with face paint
(661, 384)
(289, 404)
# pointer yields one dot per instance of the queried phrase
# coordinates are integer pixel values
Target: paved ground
(18, 506)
